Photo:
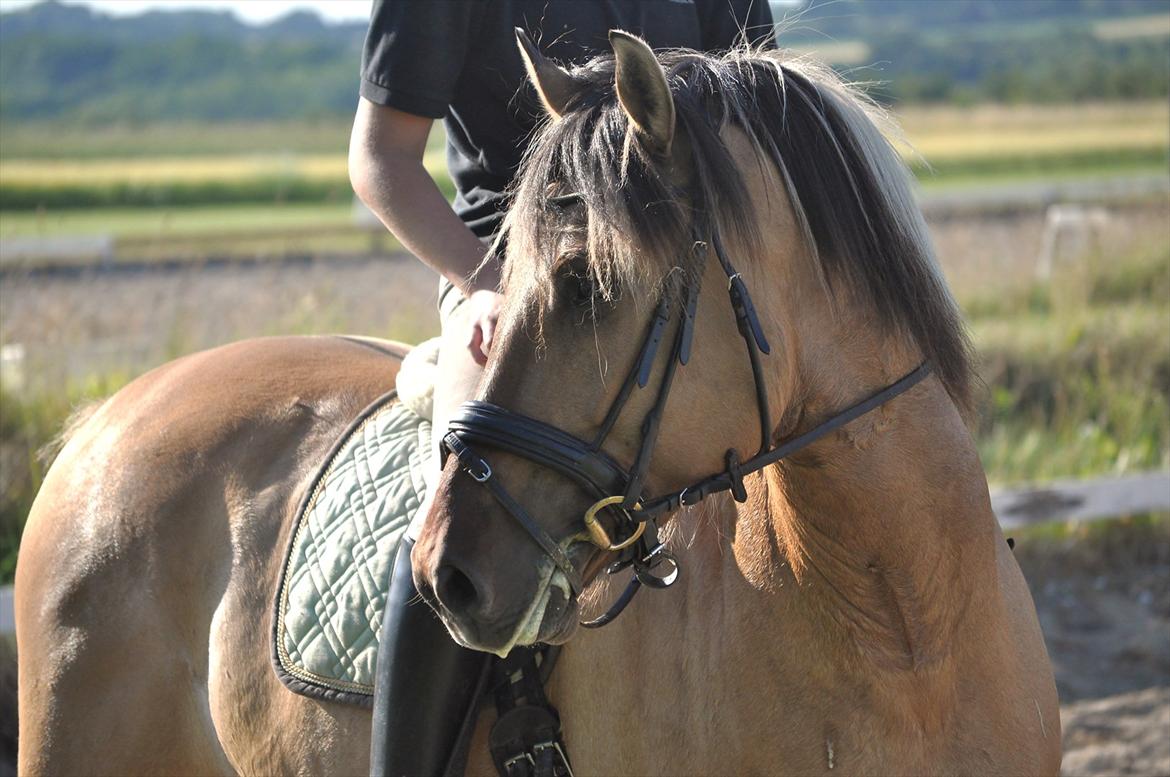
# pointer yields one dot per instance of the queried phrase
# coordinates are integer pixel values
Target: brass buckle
(597, 533)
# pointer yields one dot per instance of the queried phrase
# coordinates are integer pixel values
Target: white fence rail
(1083, 500)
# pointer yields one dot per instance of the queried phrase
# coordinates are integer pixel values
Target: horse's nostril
(455, 589)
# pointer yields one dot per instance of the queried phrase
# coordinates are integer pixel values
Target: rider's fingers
(488, 327)
(475, 345)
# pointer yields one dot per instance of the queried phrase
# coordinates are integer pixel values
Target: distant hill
(64, 62)
(998, 50)
(866, 18)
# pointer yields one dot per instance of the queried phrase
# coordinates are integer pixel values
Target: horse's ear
(553, 83)
(642, 90)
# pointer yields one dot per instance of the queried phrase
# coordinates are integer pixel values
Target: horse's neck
(826, 599)
(878, 529)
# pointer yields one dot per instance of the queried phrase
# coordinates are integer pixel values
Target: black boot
(426, 686)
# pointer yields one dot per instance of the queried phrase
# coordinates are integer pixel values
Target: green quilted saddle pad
(333, 588)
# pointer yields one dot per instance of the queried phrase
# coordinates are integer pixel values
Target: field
(854, 52)
(250, 230)
(1067, 383)
(1152, 26)
(1077, 368)
(144, 187)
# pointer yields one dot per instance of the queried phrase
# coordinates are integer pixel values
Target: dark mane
(849, 188)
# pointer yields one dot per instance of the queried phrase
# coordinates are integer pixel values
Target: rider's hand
(485, 311)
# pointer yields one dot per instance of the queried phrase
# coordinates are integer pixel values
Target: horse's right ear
(553, 83)
(643, 91)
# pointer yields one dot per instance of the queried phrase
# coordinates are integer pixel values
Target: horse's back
(150, 556)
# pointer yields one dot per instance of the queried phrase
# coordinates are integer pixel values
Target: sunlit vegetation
(1077, 381)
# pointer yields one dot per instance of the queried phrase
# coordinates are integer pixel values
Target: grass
(1077, 376)
(1077, 371)
(26, 428)
(44, 167)
(1013, 143)
(1152, 26)
(185, 169)
(176, 165)
(161, 221)
(55, 140)
(195, 232)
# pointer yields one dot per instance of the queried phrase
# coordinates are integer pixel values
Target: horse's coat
(860, 612)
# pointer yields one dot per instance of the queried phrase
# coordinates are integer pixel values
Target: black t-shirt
(457, 60)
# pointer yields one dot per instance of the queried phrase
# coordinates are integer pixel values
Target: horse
(852, 606)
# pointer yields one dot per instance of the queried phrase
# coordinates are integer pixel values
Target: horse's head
(643, 166)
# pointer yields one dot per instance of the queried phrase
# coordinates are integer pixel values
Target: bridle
(586, 463)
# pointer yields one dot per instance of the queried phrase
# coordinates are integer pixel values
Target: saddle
(332, 592)
(331, 600)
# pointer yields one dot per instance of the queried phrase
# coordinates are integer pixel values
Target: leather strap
(724, 481)
(495, 427)
(525, 740)
(479, 469)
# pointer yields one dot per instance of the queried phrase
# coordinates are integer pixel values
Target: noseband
(483, 424)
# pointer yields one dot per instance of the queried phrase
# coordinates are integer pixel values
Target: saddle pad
(333, 587)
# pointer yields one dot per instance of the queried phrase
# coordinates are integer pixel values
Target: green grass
(198, 232)
(22, 196)
(1077, 374)
(63, 140)
(1077, 379)
(27, 426)
(252, 200)
(161, 221)
(946, 172)
(53, 167)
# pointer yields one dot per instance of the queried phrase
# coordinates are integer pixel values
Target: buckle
(597, 533)
(516, 759)
(644, 568)
(555, 746)
(482, 476)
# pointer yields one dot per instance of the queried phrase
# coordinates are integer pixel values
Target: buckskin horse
(845, 604)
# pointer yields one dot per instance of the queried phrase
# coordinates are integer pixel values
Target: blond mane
(850, 190)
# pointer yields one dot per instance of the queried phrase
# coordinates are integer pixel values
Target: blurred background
(173, 177)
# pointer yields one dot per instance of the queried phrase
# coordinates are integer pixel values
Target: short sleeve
(414, 53)
(725, 22)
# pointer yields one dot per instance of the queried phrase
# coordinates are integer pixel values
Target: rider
(457, 60)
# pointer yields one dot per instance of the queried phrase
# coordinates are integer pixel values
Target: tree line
(60, 62)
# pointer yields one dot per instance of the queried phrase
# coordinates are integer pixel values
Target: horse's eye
(584, 291)
(578, 286)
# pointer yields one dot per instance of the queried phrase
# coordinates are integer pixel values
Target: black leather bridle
(483, 424)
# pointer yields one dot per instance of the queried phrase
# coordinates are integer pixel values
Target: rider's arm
(386, 170)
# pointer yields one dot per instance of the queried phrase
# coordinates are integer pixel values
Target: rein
(590, 467)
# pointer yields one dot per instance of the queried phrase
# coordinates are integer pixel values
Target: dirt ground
(1103, 597)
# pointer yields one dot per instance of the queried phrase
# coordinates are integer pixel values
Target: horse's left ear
(642, 90)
